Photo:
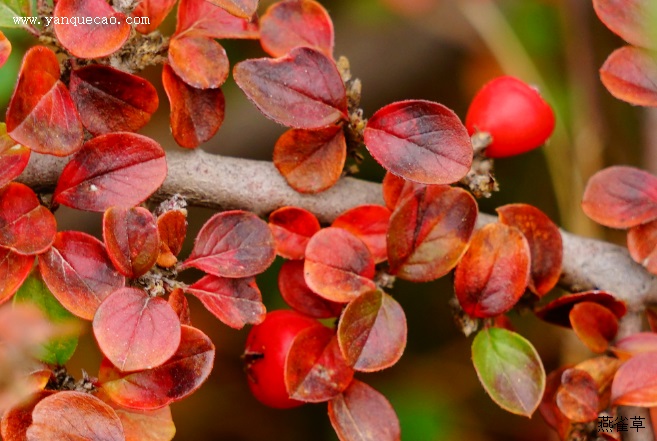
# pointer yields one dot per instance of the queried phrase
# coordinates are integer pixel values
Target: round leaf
(102, 32)
(196, 114)
(201, 17)
(110, 100)
(118, 169)
(594, 325)
(338, 266)
(155, 10)
(295, 292)
(292, 228)
(136, 331)
(420, 140)
(26, 226)
(74, 415)
(292, 23)
(635, 344)
(629, 74)
(429, 232)
(41, 114)
(642, 244)
(545, 245)
(132, 240)
(360, 413)
(172, 228)
(199, 61)
(18, 419)
(174, 380)
(632, 20)
(13, 157)
(372, 332)
(5, 49)
(557, 311)
(635, 383)
(494, 272)
(510, 370)
(79, 273)
(621, 197)
(370, 224)
(311, 161)
(233, 244)
(14, 269)
(303, 89)
(577, 397)
(236, 302)
(315, 370)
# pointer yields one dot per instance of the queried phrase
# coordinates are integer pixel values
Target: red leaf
(13, 157)
(70, 415)
(14, 269)
(26, 226)
(172, 228)
(311, 161)
(372, 332)
(621, 197)
(548, 407)
(557, 311)
(136, 331)
(602, 369)
(493, 273)
(90, 28)
(370, 224)
(233, 244)
(201, 17)
(632, 20)
(236, 302)
(155, 10)
(179, 377)
(196, 114)
(292, 23)
(594, 325)
(79, 273)
(143, 425)
(634, 344)
(392, 187)
(179, 304)
(360, 413)
(577, 397)
(110, 100)
(635, 383)
(642, 244)
(303, 89)
(629, 74)
(338, 266)
(41, 114)
(420, 140)
(132, 240)
(315, 370)
(199, 61)
(429, 232)
(117, 169)
(239, 8)
(295, 292)
(292, 228)
(18, 419)
(5, 49)
(544, 241)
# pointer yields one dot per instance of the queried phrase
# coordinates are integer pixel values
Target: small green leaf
(14, 8)
(510, 370)
(59, 349)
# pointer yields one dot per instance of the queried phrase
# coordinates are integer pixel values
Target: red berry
(513, 113)
(266, 348)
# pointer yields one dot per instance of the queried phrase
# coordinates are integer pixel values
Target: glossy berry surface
(513, 113)
(266, 348)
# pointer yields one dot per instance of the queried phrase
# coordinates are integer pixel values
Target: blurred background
(440, 50)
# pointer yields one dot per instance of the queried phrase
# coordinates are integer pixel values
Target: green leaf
(15, 8)
(510, 370)
(59, 349)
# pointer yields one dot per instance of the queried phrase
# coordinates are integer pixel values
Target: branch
(226, 183)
